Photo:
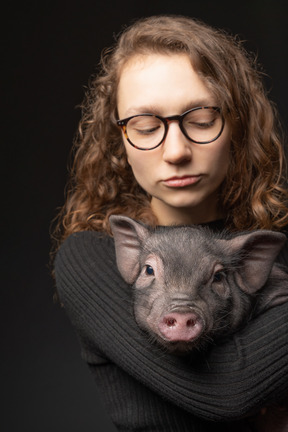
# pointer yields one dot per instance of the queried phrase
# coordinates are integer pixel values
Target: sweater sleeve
(235, 377)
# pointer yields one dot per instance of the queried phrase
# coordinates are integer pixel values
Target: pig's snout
(184, 327)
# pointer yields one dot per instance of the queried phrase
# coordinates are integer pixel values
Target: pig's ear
(128, 236)
(259, 250)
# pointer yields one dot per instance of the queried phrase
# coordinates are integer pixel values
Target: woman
(176, 129)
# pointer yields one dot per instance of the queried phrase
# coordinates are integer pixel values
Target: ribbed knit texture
(146, 389)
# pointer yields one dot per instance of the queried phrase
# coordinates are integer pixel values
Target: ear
(278, 294)
(129, 236)
(259, 250)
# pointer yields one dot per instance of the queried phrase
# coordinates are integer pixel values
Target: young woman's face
(182, 177)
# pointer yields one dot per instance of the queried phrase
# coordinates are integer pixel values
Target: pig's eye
(218, 276)
(149, 270)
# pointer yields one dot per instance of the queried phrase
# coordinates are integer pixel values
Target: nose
(176, 147)
(181, 326)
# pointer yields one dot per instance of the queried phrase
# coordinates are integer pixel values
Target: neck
(184, 216)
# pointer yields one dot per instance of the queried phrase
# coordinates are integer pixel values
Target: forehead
(160, 81)
(186, 251)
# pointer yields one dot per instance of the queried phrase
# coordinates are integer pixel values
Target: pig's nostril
(191, 323)
(170, 322)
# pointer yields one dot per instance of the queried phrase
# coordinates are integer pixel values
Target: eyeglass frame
(122, 123)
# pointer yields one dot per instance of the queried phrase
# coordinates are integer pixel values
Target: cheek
(127, 149)
(134, 161)
(219, 159)
(222, 158)
(141, 162)
(131, 153)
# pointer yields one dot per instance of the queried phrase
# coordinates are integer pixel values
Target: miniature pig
(192, 286)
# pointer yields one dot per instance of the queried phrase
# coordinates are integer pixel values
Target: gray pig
(192, 286)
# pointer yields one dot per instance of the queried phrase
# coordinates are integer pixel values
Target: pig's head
(190, 285)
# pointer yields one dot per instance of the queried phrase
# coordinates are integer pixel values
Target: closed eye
(146, 131)
(204, 125)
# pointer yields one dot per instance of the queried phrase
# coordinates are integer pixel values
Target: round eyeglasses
(201, 125)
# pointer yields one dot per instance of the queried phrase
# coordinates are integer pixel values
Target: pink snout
(177, 326)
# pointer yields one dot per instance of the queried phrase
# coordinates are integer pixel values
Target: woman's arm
(245, 372)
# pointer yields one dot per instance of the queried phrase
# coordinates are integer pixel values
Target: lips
(183, 181)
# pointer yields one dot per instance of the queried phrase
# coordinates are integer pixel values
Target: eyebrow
(154, 109)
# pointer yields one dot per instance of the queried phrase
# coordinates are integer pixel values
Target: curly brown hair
(253, 195)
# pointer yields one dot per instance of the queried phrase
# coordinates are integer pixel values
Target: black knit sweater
(145, 389)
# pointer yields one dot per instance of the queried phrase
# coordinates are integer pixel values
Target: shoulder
(86, 241)
(84, 261)
(283, 255)
(84, 247)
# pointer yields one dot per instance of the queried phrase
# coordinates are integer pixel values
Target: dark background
(50, 50)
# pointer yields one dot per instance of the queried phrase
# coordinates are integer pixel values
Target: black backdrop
(50, 49)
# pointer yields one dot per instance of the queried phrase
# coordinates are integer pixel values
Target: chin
(185, 204)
